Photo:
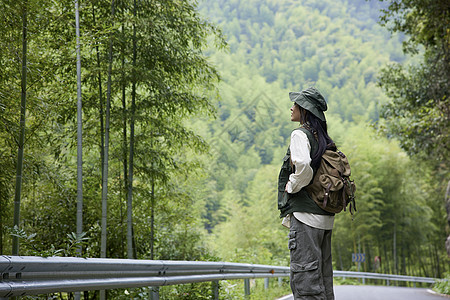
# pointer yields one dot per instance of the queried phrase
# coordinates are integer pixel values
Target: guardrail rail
(30, 275)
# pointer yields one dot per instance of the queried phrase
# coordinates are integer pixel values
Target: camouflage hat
(312, 100)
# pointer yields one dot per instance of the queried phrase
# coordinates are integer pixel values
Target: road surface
(370, 292)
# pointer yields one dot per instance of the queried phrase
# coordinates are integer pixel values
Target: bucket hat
(312, 100)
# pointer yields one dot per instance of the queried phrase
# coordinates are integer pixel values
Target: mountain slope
(335, 45)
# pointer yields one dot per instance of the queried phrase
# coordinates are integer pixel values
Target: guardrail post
(154, 293)
(215, 289)
(247, 286)
(280, 281)
(387, 282)
(266, 283)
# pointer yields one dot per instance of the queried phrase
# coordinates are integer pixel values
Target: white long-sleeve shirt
(300, 149)
(301, 159)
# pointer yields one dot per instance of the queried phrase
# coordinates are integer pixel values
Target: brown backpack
(331, 187)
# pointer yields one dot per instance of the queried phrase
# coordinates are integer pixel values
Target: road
(369, 292)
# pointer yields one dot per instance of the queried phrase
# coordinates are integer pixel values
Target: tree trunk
(432, 261)
(79, 133)
(403, 258)
(152, 222)
(409, 261)
(438, 264)
(100, 97)
(1, 226)
(130, 248)
(403, 264)
(367, 254)
(386, 259)
(421, 264)
(124, 146)
(339, 255)
(106, 153)
(394, 251)
(19, 166)
(447, 206)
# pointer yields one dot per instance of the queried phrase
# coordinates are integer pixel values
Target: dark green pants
(311, 265)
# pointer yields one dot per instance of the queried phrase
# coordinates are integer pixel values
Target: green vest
(300, 201)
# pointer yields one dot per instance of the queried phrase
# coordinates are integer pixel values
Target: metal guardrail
(387, 277)
(29, 275)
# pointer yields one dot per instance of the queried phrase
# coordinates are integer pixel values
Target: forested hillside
(338, 46)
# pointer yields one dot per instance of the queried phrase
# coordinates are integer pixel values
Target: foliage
(234, 289)
(70, 246)
(419, 113)
(442, 286)
(192, 291)
(345, 281)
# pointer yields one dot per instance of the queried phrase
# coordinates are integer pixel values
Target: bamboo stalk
(106, 152)
(21, 142)
(130, 248)
(79, 133)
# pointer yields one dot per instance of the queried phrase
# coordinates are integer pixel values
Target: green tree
(419, 113)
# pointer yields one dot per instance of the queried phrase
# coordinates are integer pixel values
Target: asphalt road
(369, 292)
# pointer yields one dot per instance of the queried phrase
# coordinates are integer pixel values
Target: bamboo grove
(142, 73)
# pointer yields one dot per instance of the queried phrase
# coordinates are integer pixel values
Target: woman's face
(295, 113)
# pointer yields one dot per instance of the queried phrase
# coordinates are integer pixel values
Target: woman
(310, 226)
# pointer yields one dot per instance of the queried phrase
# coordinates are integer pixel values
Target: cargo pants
(311, 266)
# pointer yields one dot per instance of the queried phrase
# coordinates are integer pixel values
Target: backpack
(331, 187)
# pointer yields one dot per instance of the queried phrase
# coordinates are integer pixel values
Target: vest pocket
(305, 278)
(283, 178)
(283, 199)
(286, 162)
(285, 171)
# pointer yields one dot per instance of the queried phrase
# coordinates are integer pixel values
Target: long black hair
(320, 132)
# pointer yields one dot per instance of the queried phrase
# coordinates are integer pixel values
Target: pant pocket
(305, 278)
(292, 241)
